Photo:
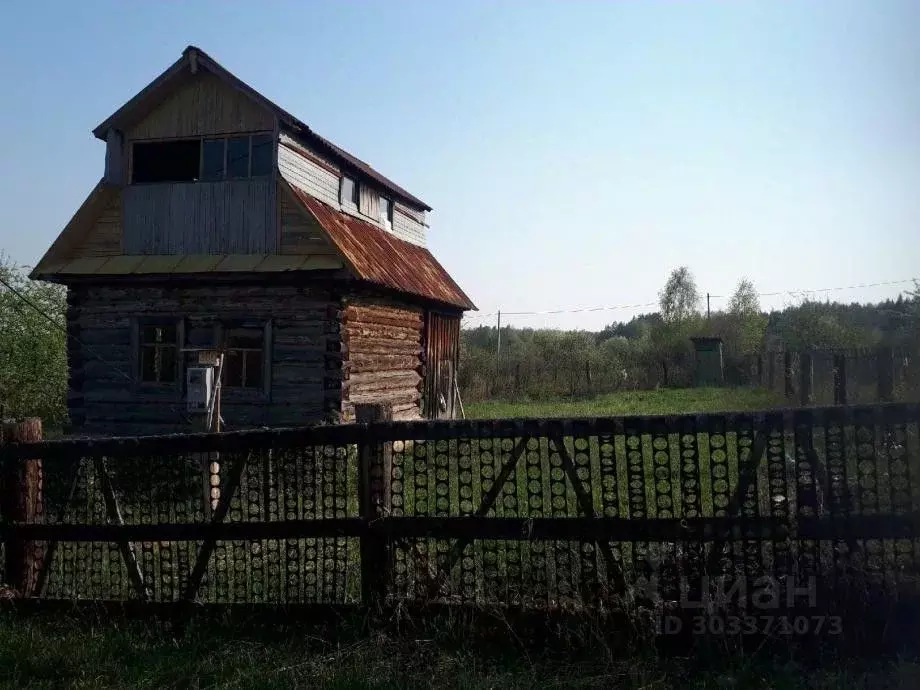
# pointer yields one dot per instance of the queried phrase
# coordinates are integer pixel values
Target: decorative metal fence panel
(533, 513)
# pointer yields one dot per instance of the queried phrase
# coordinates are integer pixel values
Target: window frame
(220, 338)
(137, 344)
(201, 143)
(223, 168)
(385, 220)
(355, 195)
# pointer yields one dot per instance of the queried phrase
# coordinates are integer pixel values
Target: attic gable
(173, 90)
(195, 61)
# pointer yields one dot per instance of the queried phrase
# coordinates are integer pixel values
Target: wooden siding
(442, 355)
(204, 106)
(321, 179)
(227, 217)
(114, 159)
(300, 232)
(408, 228)
(104, 237)
(305, 360)
(383, 356)
(310, 174)
(369, 202)
(420, 217)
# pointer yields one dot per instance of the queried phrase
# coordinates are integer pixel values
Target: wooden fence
(837, 377)
(529, 513)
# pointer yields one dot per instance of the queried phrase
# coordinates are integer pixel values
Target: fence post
(806, 379)
(840, 379)
(22, 501)
(885, 367)
(787, 374)
(374, 473)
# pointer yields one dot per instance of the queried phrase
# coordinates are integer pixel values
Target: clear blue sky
(574, 152)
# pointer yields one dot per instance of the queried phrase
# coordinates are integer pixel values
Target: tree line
(654, 350)
(647, 351)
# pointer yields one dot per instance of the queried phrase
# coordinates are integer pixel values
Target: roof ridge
(193, 55)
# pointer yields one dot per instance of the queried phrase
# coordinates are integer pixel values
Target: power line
(656, 303)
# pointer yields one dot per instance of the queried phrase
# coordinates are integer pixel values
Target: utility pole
(498, 348)
(707, 307)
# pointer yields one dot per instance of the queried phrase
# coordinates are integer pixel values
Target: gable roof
(192, 60)
(380, 257)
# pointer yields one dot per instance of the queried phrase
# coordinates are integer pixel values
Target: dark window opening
(212, 159)
(159, 354)
(237, 158)
(244, 348)
(166, 161)
(262, 154)
(349, 191)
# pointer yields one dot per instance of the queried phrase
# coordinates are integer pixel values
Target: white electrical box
(199, 386)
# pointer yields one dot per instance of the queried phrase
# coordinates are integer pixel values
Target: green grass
(42, 652)
(664, 401)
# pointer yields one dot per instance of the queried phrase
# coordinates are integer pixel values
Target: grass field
(664, 401)
(55, 653)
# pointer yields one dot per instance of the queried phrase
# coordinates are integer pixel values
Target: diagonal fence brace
(488, 501)
(614, 571)
(220, 513)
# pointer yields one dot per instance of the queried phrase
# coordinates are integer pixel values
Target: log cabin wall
(383, 362)
(301, 327)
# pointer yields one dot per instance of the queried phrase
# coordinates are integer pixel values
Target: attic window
(224, 158)
(386, 213)
(349, 191)
(166, 161)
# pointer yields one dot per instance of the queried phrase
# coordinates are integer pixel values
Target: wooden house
(223, 221)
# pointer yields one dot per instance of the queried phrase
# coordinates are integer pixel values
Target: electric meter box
(199, 386)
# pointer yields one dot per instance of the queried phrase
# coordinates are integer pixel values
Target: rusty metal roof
(380, 257)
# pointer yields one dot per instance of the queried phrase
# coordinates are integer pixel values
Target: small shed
(709, 367)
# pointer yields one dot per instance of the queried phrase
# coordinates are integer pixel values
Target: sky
(574, 152)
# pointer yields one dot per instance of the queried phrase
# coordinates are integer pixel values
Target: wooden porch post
(374, 473)
(22, 501)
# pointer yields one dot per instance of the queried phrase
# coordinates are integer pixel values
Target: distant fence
(530, 513)
(838, 377)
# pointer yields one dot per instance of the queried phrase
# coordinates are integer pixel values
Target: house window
(262, 154)
(244, 348)
(166, 161)
(213, 159)
(208, 160)
(237, 158)
(159, 353)
(386, 213)
(349, 191)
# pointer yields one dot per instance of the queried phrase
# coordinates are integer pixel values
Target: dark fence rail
(537, 513)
